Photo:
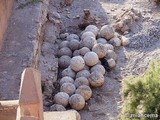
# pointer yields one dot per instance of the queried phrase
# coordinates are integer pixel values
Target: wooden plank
(8, 109)
(30, 99)
(63, 115)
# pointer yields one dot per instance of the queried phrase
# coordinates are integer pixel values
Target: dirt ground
(144, 35)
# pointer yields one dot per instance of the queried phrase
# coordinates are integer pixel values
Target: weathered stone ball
(64, 44)
(100, 50)
(111, 63)
(68, 88)
(72, 37)
(61, 98)
(66, 79)
(83, 73)
(88, 42)
(85, 91)
(74, 44)
(77, 102)
(115, 41)
(102, 41)
(91, 58)
(57, 107)
(98, 68)
(81, 81)
(96, 79)
(107, 32)
(76, 53)
(84, 50)
(68, 72)
(93, 29)
(111, 54)
(125, 41)
(86, 68)
(64, 61)
(77, 63)
(65, 51)
(87, 34)
(109, 46)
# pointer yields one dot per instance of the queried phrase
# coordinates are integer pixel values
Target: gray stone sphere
(66, 79)
(68, 88)
(77, 102)
(96, 79)
(81, 81)
(83, 73)
(64, 61)
(65, 51)
(85, 91)
(77, 63)
(98, 68)
(68, 72)
(91, 58)
(61, 98)
(107, 32)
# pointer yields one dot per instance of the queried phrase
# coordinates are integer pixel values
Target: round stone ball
(64, 61)
(77, 102)
(64, 44)
(77, 63)
(88, 42)
(65, 51)
(115, 41)
(98, 68)
(109, 46)
(81, 81)
(57, 107)
(84, 50)
(100, 50)
(68, 88)
(93, 29)
(76, 53)
(78, 116)
(68, 72)
(85, 91)
(111, 54)
(86, 68)
(102, 41)
(66, 79)
(83, 73)
(96, 79)
(61, 98)
(91, 58)
(111, 63)
(107, 32)
(125, 41)
(74, 44)
(72, 36)
(87, 34)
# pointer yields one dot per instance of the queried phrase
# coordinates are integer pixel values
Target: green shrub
(141, 95)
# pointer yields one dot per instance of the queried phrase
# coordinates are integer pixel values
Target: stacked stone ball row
(79, 57)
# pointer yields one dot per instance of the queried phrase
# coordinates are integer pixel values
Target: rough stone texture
(21, 47)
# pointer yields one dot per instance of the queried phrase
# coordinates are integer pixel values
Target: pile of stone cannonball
(80, 61)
